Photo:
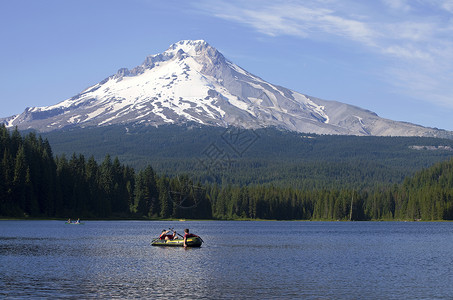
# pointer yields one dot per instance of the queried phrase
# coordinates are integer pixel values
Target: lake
(255, 260)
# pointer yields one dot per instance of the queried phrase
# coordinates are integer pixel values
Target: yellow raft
(191, 242)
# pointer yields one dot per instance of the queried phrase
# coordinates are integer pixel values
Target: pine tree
(31, 205)
(146, 194)
(166, 205)
(20, 171)
(106, 184)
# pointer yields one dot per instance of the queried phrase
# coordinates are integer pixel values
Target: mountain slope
(193, 82)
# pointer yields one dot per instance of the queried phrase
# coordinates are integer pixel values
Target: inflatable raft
(191, 242)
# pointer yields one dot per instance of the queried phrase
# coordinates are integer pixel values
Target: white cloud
(415, 37)
(447, 5)
(280, 18)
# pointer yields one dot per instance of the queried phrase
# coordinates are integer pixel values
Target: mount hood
(193, 82)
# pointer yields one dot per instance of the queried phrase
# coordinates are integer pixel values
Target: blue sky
(393, 57)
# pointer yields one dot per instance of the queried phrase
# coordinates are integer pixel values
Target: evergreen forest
(36, 183)
(257, 157)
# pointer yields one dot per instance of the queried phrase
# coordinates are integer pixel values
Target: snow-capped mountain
(193, 82)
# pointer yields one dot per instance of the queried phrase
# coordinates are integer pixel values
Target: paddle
(172, 229)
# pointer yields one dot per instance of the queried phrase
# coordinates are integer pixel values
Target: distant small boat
(75, 223)
(191, 242)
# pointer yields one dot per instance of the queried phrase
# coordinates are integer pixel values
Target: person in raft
(165, 236)
(188, 235)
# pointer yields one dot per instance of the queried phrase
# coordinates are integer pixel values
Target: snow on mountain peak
(179, 50)
(191, 47)
(192, 81)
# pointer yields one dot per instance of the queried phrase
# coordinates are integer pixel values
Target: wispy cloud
(415, 36)
(448, 5)
(275, 18)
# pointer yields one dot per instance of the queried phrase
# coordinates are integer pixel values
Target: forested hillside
(35, 183)
(429, 193)
(266, 156)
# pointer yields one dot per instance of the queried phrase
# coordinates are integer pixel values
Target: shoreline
(222, 220)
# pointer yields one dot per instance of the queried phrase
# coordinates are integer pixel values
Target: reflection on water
(239, 260)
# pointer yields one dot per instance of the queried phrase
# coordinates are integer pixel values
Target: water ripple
(316, 261)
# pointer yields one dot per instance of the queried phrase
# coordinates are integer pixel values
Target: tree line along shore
(35, 183)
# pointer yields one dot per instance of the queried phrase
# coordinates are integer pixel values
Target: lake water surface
(239, 260)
